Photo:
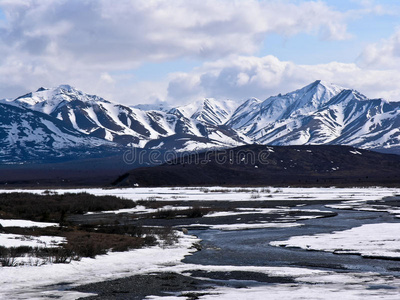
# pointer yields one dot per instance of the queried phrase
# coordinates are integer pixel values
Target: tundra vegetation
(81, 239)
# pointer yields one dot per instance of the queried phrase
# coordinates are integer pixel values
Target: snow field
(37, 282)
(370, 240)
(32, 282)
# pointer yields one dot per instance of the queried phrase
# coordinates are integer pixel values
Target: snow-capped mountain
(209, 111)
(209, 117)
(254, 116)
(321, 113)
(34, 136)
(63, 120)
(96, 117)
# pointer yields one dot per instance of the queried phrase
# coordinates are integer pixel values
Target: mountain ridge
(260, 165)
(319, 113)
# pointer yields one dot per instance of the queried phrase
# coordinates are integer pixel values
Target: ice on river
(370, 240)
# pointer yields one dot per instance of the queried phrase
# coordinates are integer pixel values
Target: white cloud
(384, 55)
(48, 42)
(235, 77)
(239, 77)
(85, 43)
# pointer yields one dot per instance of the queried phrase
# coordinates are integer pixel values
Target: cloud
(374, 7)
(241, 77)
(48, 42)
(234, 77)
(383, 55)
(105, 31)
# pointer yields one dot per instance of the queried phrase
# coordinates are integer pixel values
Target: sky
(178, 51)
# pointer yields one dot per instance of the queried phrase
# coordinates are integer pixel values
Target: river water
(252, 248)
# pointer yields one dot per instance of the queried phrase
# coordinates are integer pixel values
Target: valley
(299, 242)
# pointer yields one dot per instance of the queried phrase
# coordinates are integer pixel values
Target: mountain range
(64, 123)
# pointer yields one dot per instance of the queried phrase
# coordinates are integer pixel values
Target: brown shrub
(90, 244)
(54, 207)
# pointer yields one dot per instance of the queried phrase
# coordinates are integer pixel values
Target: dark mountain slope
(323, 165)
(94, 171)
(27, 135)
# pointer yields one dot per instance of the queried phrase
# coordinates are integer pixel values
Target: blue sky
(309, 49)
(303, 48)
(179, 51)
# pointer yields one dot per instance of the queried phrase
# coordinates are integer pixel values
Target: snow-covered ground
(370, 240)
(308, 284)
(39, 282)
(244, 211)
(17, 240)
(234, 194)
(140, 209)
(25, 223)
(30, 282)
(361, 205)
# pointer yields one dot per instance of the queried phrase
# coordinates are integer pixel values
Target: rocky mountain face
(30, 135)
(95, 121)
(63, 121)
(323, 114)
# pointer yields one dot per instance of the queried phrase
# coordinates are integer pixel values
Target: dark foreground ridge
(258, 165)
(96, 171)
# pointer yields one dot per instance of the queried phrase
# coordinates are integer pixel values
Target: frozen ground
(371, 240)
(308, 284)
(25, 223)
(378, 239)
(38, 282)
(17, 240)
(236, 194)
(371, 205)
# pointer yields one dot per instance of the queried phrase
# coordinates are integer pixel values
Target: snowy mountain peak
(41, 89)
(69, 93)
(215, 112)
(318, 113)
(301, 101)
(48, 100)
(68, 88)
(208, 110)
(345, 96)
(322, 85)
(255, 118)
(252, 100)
(95, 117)
(318, 91)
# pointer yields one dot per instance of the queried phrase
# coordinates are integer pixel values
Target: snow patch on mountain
(319, 113)
(209, 111)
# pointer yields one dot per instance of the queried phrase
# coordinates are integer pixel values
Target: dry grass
(54, 207)
(194, 212)
(81, 240)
